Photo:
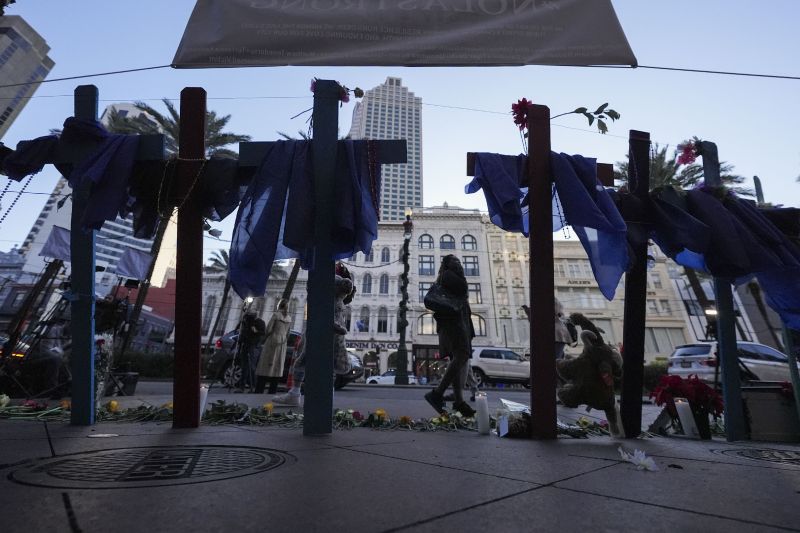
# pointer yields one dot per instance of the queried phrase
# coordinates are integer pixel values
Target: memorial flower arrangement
(702, 398)
(221, 412)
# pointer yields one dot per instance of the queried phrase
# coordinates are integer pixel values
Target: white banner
(237, 33)
(57, 244)
(134, 264)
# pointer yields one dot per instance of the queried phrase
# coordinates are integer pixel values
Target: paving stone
(323, 490)
(550, 509)
(769, 496)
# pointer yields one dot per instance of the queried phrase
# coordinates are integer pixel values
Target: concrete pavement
(137, 477)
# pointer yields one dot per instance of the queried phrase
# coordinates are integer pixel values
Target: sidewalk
(150, 477)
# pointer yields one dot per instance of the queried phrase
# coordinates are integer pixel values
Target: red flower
(688, 153)
(358, 416)
(701, 397)
(33, 404)
(520, 112)
(344, 92)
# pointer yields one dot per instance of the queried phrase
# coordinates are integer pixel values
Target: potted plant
(703, 400)
(770, 412)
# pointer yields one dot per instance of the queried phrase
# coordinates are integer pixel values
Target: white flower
(639, 459)
(4, 400)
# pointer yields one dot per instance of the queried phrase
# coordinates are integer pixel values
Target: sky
(752, 120)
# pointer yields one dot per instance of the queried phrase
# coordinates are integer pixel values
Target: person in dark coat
(455, 337)
(251, 335)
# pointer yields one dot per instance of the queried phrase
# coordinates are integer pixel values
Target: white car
(499, 365)
(762, 363)
(387, 378)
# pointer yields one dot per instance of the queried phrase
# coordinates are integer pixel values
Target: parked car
(387, 378)
(499, 365)
(222, 367)
(758, 362)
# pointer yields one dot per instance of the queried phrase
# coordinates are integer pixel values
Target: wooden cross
(542, 318)
(82, 254)
(726, 322)
(319, 332)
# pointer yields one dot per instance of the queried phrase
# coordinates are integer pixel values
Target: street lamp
(711, 322)
(401, 375)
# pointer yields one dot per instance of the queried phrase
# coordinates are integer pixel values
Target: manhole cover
(147, 467)
(789, 457)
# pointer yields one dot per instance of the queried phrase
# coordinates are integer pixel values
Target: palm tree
(666, 171)
(218, 264)
(151, 121)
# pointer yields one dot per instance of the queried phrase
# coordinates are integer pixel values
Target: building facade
(391, 111)
(23, 59)
(496, 265)
(577, 290)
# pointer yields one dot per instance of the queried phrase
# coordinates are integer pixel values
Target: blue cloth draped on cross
(275, 217)
(707, 229)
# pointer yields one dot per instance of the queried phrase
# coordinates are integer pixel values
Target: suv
(758, 362)
(499, 365)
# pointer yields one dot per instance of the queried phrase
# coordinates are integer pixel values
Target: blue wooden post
(726, 327)
(82, 272)
(318, 408)
(319, 333)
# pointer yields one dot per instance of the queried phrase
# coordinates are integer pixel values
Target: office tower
(23, 59)
(391, 111)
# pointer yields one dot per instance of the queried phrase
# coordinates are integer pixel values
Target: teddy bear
(590, 377)
(343, 294)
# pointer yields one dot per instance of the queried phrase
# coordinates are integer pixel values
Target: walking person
(251, 334)
(273, 352)
(563, 334)
(469, 381)
(455, 332)
(344, 290)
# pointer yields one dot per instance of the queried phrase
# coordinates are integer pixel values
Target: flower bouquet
(703, 400)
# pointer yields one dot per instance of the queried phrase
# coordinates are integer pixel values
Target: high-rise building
(391, 111)
(23, 59)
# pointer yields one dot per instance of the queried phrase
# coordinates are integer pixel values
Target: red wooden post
(189, 271)
(635, 314)
(542, 323)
